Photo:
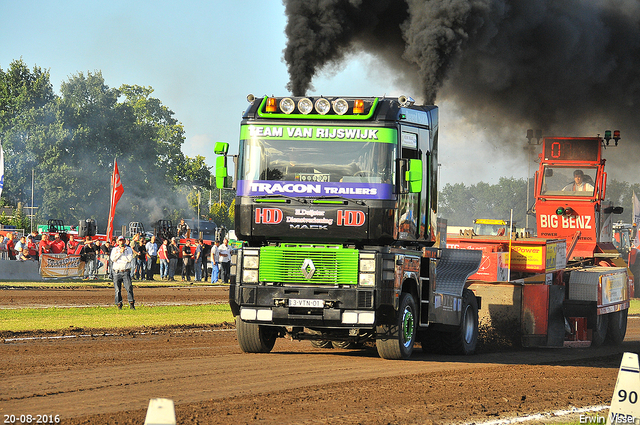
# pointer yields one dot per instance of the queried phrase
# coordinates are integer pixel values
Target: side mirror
(221, 148)
(413, 175)
(221, 172)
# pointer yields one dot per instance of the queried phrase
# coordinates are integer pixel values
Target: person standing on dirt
(198, 260)
(172, 255)
(105, 251)
(88, 255)
(215, 262)
(141, 258)
(187, 261)
(152, 256)
(121, 258)
(225, 260)
(164, 261)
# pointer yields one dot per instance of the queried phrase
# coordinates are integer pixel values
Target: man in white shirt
(225, 260)
(579, 184)
(152, 256)
(121, 258)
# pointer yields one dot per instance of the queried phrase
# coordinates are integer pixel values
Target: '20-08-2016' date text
(31, 419)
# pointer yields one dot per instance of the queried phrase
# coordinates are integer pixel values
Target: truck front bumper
(306, 306)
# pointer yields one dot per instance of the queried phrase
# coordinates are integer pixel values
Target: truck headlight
(250, 262)
(250, 276)
(367, 266)
(367, 279)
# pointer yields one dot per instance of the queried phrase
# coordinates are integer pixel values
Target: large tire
(617, 327)
(599, 331)
(465, 338)
(395, 342)
(321, 343)
(254, 338)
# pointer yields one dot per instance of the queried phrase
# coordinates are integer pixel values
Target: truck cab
(336, 205)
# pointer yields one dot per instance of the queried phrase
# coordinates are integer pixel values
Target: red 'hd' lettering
(350, 218)
(268, 215)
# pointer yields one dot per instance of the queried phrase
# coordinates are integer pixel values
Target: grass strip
(100, 283)
(31, 319)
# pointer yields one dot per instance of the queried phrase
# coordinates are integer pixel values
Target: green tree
(461, 204)
(71, 142)
(27, 111)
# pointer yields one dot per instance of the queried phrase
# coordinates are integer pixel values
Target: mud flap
(454, 268)
(542, 316)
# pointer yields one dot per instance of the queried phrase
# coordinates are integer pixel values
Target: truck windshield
(568, 181)
(341, 168)
(293, 160)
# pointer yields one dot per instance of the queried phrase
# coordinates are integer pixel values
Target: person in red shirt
(45, 245)
(11, 247)
(72, 244)
(33, 247)
(58, 245)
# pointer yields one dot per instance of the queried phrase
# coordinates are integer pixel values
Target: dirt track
(93, 376)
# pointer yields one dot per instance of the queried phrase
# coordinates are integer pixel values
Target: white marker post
(161, 411)
(625, 404)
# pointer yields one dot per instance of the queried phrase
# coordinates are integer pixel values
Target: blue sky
(202, 58)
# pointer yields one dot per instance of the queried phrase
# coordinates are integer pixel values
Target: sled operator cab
(570, 188)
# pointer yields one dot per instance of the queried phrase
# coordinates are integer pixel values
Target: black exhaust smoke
(554, 65)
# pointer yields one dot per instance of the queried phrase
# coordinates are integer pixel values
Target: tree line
(69, 141)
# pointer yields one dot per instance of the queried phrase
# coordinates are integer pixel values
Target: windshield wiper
(279, 196)
(355, 201)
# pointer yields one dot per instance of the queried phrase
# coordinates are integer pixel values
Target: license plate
(294, 302)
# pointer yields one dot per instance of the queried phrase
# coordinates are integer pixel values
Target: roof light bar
(323, 106)
(305, 106)
(287, 105)
(340, 106)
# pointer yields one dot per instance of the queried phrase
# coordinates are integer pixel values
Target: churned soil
(103, 376)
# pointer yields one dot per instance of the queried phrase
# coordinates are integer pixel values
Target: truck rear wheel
(346, 345)
(617, 327)
(599, 331)
(464, 339)
(395, 342)
(254, 338)
(321, 343)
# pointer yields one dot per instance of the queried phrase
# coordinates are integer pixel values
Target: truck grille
(334, 265)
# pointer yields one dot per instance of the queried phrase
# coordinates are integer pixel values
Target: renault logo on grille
(308, 269)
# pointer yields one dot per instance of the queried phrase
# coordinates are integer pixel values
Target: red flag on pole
(116, 192)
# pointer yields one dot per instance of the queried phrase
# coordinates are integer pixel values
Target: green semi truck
(336, 204)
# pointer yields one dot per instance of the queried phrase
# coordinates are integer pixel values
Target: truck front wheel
(254, 338)
(465, 338)
(395, 342)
